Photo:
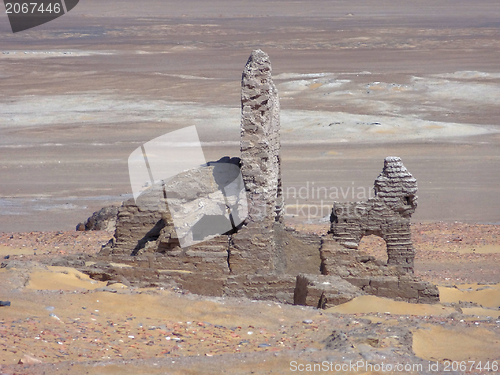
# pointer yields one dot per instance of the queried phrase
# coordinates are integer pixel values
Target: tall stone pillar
(260, 140)
(253, 248)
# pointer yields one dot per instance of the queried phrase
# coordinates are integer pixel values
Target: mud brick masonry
(387, 215)
(262, 259)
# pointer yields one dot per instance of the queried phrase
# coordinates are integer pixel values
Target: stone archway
(375, 246)
(387, 215)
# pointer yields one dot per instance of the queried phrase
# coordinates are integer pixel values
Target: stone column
(253, 248)
(260, 142)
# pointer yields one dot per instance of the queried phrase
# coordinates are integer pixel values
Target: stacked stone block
(261, 259)
(253, 248)
(323, 291)
(260, 139)
(145, 237)
(386, 215)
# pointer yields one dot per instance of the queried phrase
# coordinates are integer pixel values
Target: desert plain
(358, 81)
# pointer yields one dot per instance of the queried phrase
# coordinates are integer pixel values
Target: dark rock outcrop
(104, 219)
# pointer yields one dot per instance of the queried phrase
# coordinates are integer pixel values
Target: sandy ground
(61, 320)
(357, 82)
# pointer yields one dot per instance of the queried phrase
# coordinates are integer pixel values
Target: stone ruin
(387, 215)
(261, 258)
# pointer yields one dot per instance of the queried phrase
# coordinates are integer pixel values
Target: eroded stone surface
(254, 251)
(323, 291)
(260, 258)
(104, 219)
(386, 215)
(260, 140)
(254, 248)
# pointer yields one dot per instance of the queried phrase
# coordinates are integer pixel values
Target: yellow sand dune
(479, 311)
(8, 250)
(485, 249)
(459, 344)
(485, 295)
(62, 278)
(373, 304)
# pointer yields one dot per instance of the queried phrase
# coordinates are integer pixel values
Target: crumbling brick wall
(386, 215)
(253, 255)
(262, 258)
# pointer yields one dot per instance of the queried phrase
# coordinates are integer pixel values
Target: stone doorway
(375, 246)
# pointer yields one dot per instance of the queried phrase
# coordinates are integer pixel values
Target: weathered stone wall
(137, 226)
(272, 287)
(386, 215)
(374, 276)
(260, 259)
(404, 287)
(254, 254)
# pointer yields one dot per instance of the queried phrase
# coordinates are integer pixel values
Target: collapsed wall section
(386, 215)
(261, 258)
(253, 253)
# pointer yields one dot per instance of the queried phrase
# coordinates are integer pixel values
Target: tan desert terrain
(61, 320)
(358, 81)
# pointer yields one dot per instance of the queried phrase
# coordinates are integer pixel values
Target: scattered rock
(106, 289)
(337, 341)
(323, 291)
(29, 360)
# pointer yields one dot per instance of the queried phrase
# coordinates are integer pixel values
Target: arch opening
(375, 246)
